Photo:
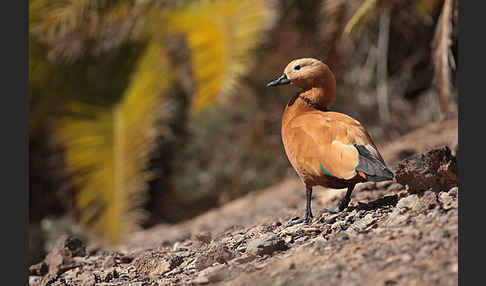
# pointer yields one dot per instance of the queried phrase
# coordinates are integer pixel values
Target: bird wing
(325, 143)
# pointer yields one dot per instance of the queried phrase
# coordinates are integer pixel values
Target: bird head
(304, 73)
(309, 73)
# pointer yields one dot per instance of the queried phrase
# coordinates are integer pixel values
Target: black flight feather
(374, 168)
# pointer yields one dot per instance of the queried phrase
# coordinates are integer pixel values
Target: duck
(326, 148)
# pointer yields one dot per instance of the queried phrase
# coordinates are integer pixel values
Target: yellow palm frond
(362, 16)
(107, 151)
(220, 35)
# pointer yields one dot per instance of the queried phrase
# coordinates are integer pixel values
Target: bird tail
(374, 168)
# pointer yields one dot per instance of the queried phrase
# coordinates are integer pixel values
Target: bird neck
(322, 90)
(312, 104)
(304, 101)
(320, 97)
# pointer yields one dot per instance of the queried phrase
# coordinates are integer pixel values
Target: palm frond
(107, 151)
(69, 26)
(442, 55)
(362, 16)
(220, 35)
(63, 17)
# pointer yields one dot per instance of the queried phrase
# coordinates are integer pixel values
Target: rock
(214, 274)
(265, 228)
(219, 253)
(176, 246)
(203, 261)
(39, 269)
(352, 215)
(395, 187)
(319, 243)
(88, 279)
(266, 245)
(109, 275)
(187, 262)
(408, 202)
(293, 230)
(152, 263)
(301, 240)
(338, 226)
(422, 203)
(397, 218)
(109, 261)
(288, 239)
(123, 259)
(384, 184)
(244, 259)
(238, 239)
(428, 201)
(299, 233)
(341, 236)
(435, 170)
(438, 234)
(35, 280)
(311, 230)
(175, 261)
(406, 258)
(241, 248)
(261, 265)
(200, 280)
(204, 237)
(364, 223)
(447, 201)
(329, 219)
(325, 229)
(453, 192)
(60, 258)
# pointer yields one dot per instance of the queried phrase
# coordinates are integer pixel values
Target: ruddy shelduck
(325, 148)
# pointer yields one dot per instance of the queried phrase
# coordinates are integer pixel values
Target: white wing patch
(341, 144)
(348, 157)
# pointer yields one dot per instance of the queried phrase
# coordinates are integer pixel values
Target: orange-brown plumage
(325, 148)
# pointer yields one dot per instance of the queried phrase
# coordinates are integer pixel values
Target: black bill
(281, 80)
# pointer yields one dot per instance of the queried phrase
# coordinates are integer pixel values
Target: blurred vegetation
(146, 111)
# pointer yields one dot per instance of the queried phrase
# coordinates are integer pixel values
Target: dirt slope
(389, 235)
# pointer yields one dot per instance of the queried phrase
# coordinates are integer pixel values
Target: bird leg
(308, 210)
(342, 205)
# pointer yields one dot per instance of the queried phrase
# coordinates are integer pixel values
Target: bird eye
(297, 67)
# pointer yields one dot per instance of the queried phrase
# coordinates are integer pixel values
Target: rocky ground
(402, 232)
